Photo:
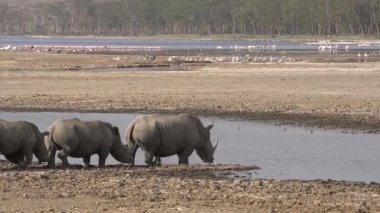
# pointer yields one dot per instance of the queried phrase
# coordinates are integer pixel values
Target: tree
(150, 17)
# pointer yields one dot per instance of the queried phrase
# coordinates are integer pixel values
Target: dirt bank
(172, 189)
(332, 95)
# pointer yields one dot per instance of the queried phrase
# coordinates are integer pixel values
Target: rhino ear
(209, 127)
(116, 130)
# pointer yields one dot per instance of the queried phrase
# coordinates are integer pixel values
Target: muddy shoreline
(323, 95)
(346, 123)
(173, 188)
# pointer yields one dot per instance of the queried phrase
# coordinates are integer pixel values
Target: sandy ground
(327, 95)
(344, 95)
(194, 188)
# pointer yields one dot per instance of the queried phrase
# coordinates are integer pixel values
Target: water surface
(198, 45)
(281, 152)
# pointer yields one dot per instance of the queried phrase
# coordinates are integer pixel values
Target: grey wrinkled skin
(81, 139)
(160, 135)
(19, 140)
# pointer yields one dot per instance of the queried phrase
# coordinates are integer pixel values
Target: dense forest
(199, 17)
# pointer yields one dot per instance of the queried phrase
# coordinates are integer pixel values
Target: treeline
(202, 17)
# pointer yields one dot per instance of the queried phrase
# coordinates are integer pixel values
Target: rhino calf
(162, 135)
(81, 139)
(19, 140)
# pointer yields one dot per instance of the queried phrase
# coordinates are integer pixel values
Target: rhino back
(165, 134)
(16, 134)
(82, 138)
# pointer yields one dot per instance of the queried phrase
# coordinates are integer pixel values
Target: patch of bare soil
(193, 188)
(331, 95)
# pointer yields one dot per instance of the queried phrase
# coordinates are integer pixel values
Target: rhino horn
(216, 145)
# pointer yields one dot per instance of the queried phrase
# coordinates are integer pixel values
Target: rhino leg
(28, 153)
(157, 161)
(51, 156)
(86, 161)
(183, 156)
(102, 157)
(15, 158)
(183, 160)
(63, 156)
(149, 158)
(133, 153)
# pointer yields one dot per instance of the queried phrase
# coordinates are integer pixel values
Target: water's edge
(282, 152)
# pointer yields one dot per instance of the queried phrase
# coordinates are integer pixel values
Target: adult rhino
(162, 135)
(19, 140)
(81, 139)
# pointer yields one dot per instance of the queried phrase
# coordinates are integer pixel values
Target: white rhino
(81, 139)
(162, 135)
(19, 140)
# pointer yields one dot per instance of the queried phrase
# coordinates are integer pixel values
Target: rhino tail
(39, 135)
(42, 135)
(45, 133)
(129, 137)
(52, 140)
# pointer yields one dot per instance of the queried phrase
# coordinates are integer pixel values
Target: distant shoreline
(219, 37)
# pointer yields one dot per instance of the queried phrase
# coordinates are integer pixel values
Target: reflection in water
(280, 152)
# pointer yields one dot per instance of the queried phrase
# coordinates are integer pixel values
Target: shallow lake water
(282, 152)
(168, 45)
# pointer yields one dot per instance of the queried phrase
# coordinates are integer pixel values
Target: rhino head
(118, 150)
(204, 149)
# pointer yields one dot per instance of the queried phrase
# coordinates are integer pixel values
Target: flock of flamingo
(323, 47)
